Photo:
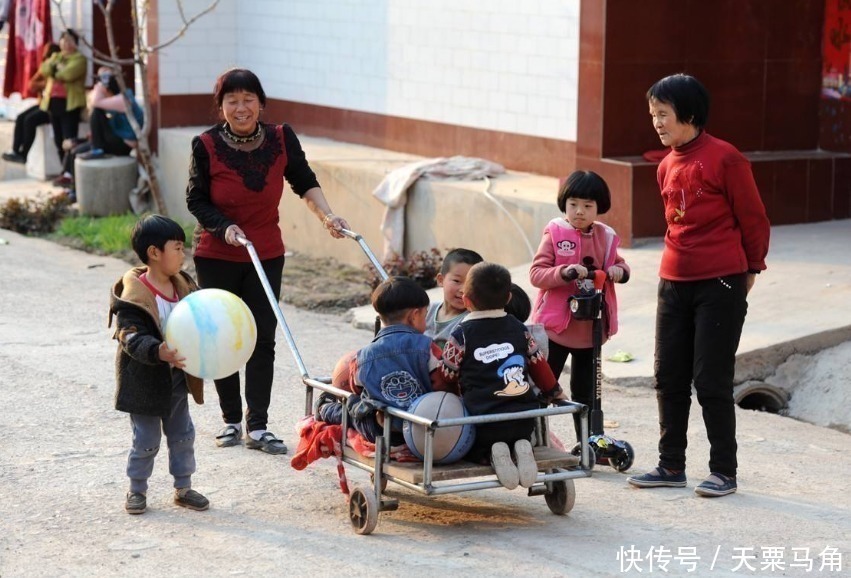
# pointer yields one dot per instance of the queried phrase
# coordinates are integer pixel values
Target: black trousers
(71, 156)
(25, 126)
(242, 280)
(102, 136)
(698, 327)
(582, 380)
(66, 123)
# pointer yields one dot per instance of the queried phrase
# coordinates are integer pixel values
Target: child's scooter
(588, 305)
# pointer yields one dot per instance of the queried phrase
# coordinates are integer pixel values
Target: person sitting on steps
(111, 131)
(28, 121)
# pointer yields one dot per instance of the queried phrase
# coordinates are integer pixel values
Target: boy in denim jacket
(397, 367)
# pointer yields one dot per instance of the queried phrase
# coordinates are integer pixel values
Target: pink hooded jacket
(563, 249)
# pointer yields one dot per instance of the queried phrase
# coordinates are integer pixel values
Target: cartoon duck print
(514, 376)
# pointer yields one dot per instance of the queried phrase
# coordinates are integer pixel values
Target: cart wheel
(363, 511)
(562, 497)
(577, 451)
(623, 461)
(383, 482)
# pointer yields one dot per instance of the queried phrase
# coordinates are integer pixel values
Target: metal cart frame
(556, 469)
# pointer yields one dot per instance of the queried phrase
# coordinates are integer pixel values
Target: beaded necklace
(233, 137)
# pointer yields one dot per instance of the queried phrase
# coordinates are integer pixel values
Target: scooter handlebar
(597, 275)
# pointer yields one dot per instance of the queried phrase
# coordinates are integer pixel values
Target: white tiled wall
(502, 65)
(207, 47)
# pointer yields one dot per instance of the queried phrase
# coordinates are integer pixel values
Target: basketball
(450, 443)
(341, 376)
(214, 330)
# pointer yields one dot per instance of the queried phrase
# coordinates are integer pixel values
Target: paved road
(63, 449)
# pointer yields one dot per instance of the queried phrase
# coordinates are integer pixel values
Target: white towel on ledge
(393, 190)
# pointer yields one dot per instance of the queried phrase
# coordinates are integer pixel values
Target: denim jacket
(394, 368)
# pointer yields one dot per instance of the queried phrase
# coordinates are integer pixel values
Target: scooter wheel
(577, 451)
(623, 461)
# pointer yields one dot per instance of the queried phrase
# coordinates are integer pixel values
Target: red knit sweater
(716, 220)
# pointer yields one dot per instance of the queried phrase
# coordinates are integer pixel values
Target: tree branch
(186, 24)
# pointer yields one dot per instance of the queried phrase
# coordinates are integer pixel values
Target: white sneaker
(503, 465)
(527, 467)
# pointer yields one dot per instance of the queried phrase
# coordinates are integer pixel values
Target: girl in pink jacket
(571, 246)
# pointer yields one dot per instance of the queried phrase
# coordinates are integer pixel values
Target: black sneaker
(659, 478)
(14, 157)
(716, 485)
(189, 498)
(135, 503)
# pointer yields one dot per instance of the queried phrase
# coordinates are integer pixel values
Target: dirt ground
(321, 285)
(63, 451)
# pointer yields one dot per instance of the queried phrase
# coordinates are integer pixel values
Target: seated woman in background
(111, 133)
(28, 121)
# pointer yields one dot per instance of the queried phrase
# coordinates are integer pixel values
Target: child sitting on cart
(491, 357)
(444, 316)
(395, 369)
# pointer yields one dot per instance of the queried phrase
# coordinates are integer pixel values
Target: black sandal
(229, 436)
(267, 443)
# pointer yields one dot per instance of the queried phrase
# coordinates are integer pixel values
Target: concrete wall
(441, 214)
(490, 64)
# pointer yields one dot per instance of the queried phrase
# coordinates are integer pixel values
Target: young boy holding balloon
(150, 383)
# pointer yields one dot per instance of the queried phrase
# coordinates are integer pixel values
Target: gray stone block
(104, 185)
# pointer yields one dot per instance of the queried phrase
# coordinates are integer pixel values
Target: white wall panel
(491, 64)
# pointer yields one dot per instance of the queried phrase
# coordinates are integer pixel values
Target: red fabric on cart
(319, 440)
(366, 448)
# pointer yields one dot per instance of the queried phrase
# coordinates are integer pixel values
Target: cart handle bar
(273, 302)
(370, 255)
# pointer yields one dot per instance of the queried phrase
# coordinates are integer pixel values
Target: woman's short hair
(686, 95)
(585, 185)
(71, 33)
(235, 80)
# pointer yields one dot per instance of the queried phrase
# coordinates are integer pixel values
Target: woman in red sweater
(715, 245)
(236, 180)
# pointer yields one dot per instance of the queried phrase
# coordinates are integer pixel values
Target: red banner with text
(29, 31)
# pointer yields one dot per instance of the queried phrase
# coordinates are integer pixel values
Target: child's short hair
(395, 296)
(519, 306)
(460, 255)
(154, 230)
(488, 286)
(585, 185)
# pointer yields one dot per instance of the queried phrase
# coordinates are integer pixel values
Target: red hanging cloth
(29, 31)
